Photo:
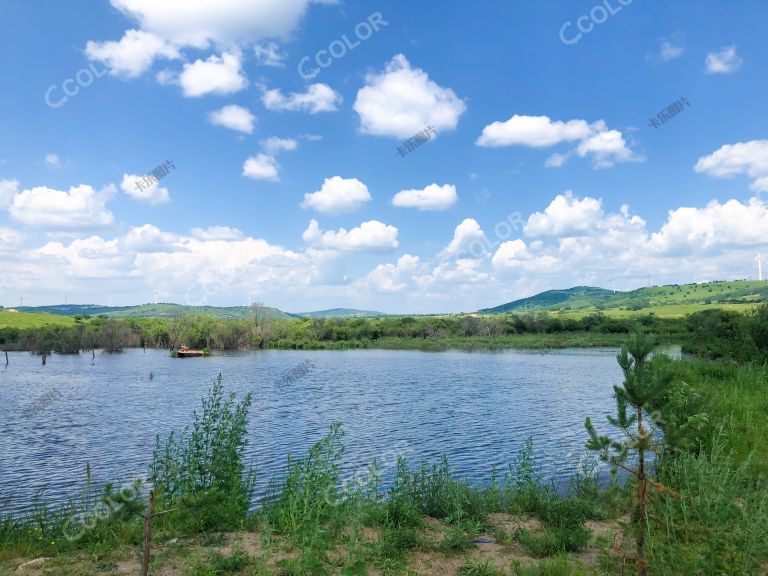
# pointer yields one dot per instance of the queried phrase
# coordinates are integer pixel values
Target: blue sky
(543, 171)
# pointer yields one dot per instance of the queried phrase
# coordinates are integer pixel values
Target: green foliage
(716, 522)
(558, 566)
(432, 490)
(479, 568)
(554, 540)
(217, 564)
(203, 468)
(309, 494)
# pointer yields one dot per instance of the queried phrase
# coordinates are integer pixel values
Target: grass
(25, 320)
(661, 310)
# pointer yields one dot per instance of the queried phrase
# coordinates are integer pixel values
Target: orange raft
(185, 352)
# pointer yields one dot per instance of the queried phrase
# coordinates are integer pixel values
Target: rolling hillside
(175, 310)
(342, 313)
(684, 296)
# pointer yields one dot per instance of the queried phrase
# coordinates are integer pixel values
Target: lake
(476, 407)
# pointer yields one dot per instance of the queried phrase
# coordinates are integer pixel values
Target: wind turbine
(155, 296)
(759, 267)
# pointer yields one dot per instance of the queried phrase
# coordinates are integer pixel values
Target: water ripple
(478, 408)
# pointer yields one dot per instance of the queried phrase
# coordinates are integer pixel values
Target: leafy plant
(203, 468)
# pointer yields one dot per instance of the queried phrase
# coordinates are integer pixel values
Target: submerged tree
(635, 398)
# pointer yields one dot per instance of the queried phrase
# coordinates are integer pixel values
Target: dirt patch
(32, 567)
(510, 524)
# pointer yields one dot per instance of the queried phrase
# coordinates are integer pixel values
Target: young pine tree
(634, 398)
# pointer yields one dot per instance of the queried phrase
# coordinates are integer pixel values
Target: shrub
(309, 494)
(202, 471)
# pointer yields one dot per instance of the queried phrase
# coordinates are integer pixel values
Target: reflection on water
(477, 407)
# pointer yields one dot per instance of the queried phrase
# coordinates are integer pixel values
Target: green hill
(342, 313)
(152, 311)
(175, 310)
(577, 298)
(584, 298)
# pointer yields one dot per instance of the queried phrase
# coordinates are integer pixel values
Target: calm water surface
(476, 407)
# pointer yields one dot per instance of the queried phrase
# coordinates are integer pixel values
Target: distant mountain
(73, 309)
(154, 311)
(175, 310)
(578, 297)
(585, 298)
(342, 313)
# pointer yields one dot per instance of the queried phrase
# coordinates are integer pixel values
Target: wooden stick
(6, 358)
(148, 533)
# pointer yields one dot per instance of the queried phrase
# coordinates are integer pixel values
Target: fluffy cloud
(533, 131)
(316, 98)
(149, 238)
(595, 140)
(371, 236)
(433, 197)
(403, 100)
(81, 207)
(515, 255)
(223, 266)
(154, 195)
(566, 215)
(200, 22)
(262, 167)
(8, 189)
(715, 227)
(215, 75)
(274, 145)
(184, 269)
(133, 55)
(234, 117)
(217, 233)
(749, 158)
(338, 195)
(391, 277)
(724, 61)
(468, 240)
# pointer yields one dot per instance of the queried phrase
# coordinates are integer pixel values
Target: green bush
(202, 472)
(310, 494)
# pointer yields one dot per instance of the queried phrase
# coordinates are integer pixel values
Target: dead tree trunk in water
(6, 358)
(44, 358)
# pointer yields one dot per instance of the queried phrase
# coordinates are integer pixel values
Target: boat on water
(185, 352)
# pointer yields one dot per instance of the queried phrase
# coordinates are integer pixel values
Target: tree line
(263, 330)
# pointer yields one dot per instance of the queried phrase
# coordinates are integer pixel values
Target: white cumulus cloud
(565, 216)
(315, 99)
(403, 100)
(200, 22)
(724, 61)
(215, 75)
(133, 55)
(262, 167)
(135, 186)
(750, 158)
(605, 147)
(234, 117)
(338, 195)
(81, 207)
(370, 236)
(433, 197)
